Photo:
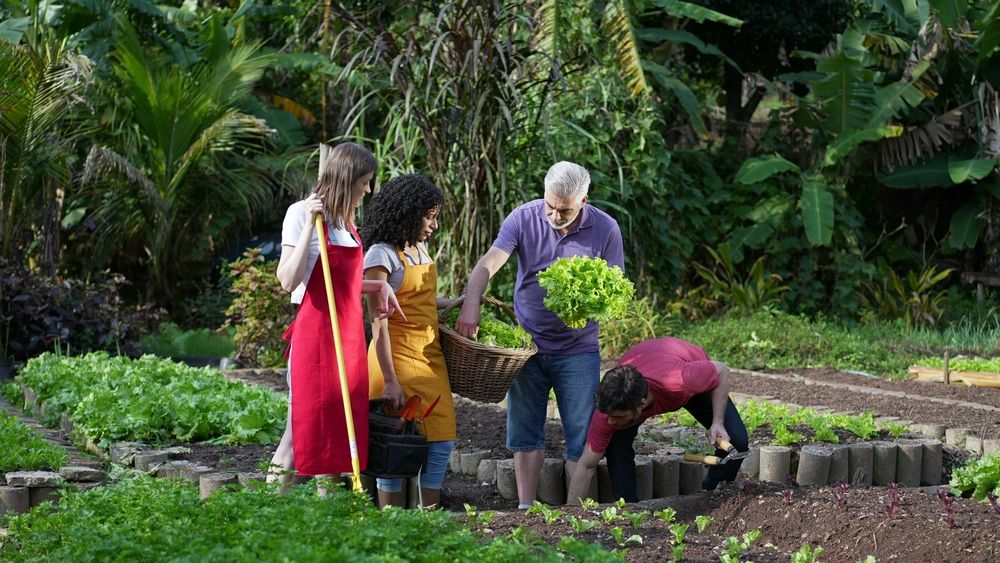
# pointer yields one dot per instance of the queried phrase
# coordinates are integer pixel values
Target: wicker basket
(477, 371)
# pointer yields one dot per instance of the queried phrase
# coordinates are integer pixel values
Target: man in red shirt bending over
(655, 377)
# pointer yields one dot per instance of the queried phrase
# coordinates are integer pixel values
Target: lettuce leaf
(581, 288)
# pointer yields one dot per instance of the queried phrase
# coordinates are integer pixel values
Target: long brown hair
(347, 162)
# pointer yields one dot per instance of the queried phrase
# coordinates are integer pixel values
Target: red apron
(319, 427)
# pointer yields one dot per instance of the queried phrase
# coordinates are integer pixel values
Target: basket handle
(510, 313)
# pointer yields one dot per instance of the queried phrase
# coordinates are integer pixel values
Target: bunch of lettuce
(493, 331)
(583, 288)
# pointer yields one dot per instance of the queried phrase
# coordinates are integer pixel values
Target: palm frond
(550, 29)
(621, 28)
(922, 142)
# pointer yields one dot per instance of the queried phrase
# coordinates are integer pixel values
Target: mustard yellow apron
(416, 350)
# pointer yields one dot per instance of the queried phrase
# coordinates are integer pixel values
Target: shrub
(260, 313)
(642, 321)
(172, 341)
(37, 314)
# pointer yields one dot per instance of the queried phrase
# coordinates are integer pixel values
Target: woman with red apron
(316, 438)
(405, 356)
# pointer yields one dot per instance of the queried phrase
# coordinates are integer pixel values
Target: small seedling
(580, 525)
(949, 506)
(840, 493)
(589, 503)
(734, 547)
(483, 519)
(788, 495)
(550, 515)
(619, 536)
(610, 514)
(703, 522)
(747, 486)
(636, 518)
(993, 502)
(620, 503)
(806, 554)
(679, 530)
(667, 515)
(892, 507)
(790, 479)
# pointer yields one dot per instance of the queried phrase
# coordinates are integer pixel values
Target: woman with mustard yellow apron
(405, 357)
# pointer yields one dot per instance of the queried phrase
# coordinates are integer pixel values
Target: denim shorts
(438, 456)
(574, 379)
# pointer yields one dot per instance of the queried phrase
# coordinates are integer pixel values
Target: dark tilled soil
(849, 533)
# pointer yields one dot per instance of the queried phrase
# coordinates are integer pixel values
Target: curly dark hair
(622, 389)
(395, 212)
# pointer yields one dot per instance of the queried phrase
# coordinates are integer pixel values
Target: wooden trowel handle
(706, 459)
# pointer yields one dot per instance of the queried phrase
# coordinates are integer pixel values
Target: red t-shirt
(674, 370)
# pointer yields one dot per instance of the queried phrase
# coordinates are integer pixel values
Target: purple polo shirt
(528, 233)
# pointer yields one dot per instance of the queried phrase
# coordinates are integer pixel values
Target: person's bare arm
(468, 320)
(292, 265)
(720, 399)
(579, 484)
(393, 393)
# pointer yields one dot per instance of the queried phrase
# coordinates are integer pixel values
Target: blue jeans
(621, 454)
(574, 378)
(438, 455)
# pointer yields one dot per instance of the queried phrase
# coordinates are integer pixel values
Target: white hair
(566, 179)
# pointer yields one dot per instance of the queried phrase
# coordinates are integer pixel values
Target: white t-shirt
(386, 255)
(291, 229)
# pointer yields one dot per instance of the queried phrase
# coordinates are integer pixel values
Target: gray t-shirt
(387, 255)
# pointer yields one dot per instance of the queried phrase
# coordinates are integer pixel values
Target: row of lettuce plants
(23, 449)
(152, 399)
(783, 419)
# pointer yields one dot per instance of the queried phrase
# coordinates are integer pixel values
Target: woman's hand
(393, 395)
(314, 205)
(389, 303)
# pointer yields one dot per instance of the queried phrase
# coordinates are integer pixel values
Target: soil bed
(850, 533)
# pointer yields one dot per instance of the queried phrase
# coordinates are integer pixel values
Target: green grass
(172, 341)
(23, 449)
(779, 340)
(148, 519)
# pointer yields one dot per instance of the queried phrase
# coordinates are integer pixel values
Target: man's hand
(715, 432)
(468, 320)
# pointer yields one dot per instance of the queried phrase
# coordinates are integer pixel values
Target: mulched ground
(849, 533)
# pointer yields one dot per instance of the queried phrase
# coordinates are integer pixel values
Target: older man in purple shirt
(568, 360)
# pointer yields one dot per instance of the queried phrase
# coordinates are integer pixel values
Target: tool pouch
(393, 452)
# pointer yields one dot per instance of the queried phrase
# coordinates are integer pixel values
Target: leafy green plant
(260, 312)
(863, 425)
(589, 503)
(493, 331)
(480, 518)
(610, 514)
(783, 436)
(667, 514)
(550, 515)
(702, 522)
(581, 525)
(23, 449)
(981, 476)
(914, 302)
(734, 547)
(636, 517)
(117, 398)
(963, 364)
(581, 288)
(11, 390)
(619, 536)
(895, 428)
(110, 523)
(806, 554)
(823, 431)
(677, 543)
(749, 294)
